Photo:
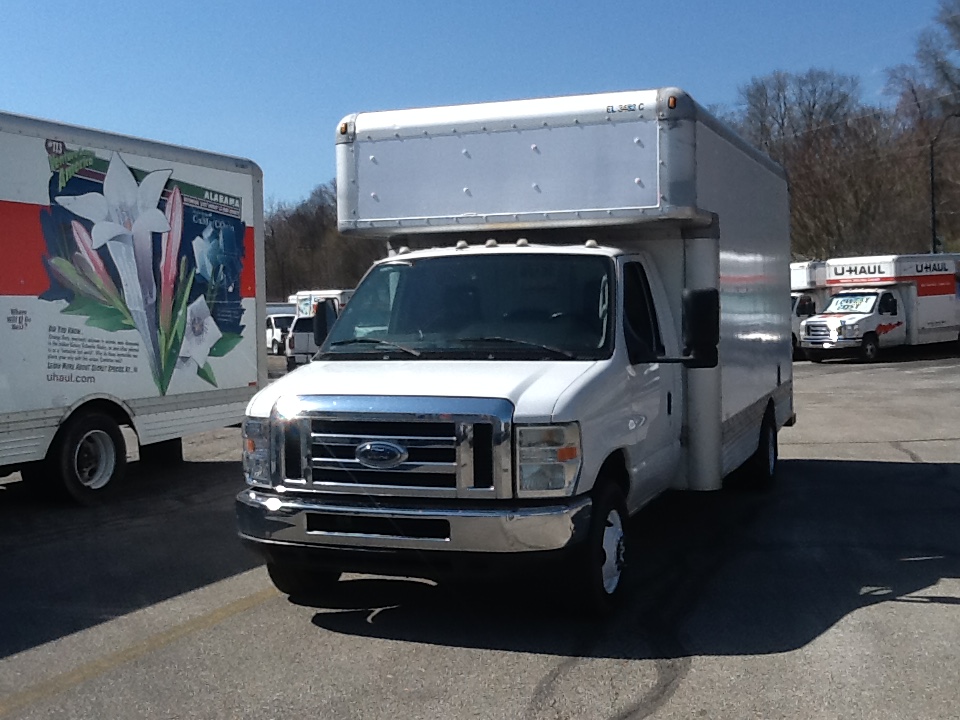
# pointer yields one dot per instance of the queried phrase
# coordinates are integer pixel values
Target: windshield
(303, 324)
(861, 304)
(517, 306)
(282, 322)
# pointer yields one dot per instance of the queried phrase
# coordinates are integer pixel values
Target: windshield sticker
(859, 304)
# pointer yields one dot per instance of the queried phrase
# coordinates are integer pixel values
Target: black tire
(291, 364)
(761, 468)
(814, 356)
(168, 452)
(870, 348)
(299, 580)
(276, 348)
(602, 565)
(89, 458)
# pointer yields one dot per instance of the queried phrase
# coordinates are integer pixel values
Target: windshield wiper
(518, 341)
(376, 341)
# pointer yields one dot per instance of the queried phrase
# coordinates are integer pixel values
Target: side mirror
(324, 315)
(701, 328)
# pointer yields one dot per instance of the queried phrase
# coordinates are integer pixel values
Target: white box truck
(885, 301)
(809, 294)
(514, 393)
(132, 291)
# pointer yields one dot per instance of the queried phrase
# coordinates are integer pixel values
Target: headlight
(851, 331)
(256, 451)
(548, 459)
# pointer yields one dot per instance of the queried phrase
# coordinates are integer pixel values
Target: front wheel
(870, 348)
(276, 348)
(301, 581)
(604, 560)
(814, 356)
(90, 458)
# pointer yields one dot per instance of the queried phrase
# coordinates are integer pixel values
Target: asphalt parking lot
(835, 595)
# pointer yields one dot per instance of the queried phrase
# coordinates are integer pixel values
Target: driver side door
(654, 391)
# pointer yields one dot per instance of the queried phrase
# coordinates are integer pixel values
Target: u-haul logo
(858, 270)
(932, 267)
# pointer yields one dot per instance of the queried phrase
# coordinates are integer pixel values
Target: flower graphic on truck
(127, 268)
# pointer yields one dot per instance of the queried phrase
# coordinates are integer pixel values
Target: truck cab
(856, 321)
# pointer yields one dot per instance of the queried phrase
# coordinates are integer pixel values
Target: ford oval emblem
(380, 455)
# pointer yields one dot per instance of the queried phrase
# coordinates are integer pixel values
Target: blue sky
(271, 80)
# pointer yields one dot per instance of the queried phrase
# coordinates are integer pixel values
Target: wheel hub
(613, 552)
(95, 459)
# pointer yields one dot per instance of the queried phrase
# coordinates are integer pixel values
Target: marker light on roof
(672, 102)
(490, 243)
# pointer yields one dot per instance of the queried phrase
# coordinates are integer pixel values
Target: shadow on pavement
(902, 354)
(66, 568)
(728, 573)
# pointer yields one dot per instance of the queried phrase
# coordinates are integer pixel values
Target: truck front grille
(417, 447)
(431, 453)
(817, 331)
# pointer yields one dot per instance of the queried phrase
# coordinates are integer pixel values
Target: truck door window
(888, 304)
(638, 308)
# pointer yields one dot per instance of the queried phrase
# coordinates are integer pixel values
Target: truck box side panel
(164, 309)
(555, 173)
(755, 351)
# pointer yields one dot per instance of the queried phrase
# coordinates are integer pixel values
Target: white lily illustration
(124, 219)
(200, 334)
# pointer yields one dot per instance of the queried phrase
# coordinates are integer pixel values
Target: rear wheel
(89, 456)
(301, 580)
(762, 465)
(276, 348)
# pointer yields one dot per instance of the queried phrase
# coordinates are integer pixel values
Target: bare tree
(304, 250)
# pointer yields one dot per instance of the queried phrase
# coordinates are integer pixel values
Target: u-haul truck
(131, 284)
(547, 361)
(809, 294)
(885, 301)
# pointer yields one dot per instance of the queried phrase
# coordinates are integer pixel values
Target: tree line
(865, 178)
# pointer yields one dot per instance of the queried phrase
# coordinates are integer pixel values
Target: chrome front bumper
(839, 344)
(273, 518)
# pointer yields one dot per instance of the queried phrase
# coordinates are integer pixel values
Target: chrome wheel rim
(613, 551)
(95, 459)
